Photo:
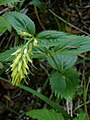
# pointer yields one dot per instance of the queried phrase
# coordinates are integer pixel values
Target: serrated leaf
(6, 56)
(82, 116)
(65, 84)
(63, 62)
(64, 43)
(4, 24)
(45, 114)
(51, 38)
(2, 2)
(20, 22)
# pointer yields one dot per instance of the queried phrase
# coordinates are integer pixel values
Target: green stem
(55, 63)
(44, 98)
(85, 96)
(52, 57)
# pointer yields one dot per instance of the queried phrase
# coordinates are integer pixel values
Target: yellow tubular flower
(24, 34)
(22, 74)
(25, 62)
(28, 58)
(15, 80)
(35, 43)
(19, 66)
(14, 72)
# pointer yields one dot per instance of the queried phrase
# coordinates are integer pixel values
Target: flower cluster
(20, 64)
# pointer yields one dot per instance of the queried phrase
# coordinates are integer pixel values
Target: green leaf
(4, 24)
(20, 22)
(50, 38)
(63, 62)
(64, 43)
(2, 2)
(65, 84)
(82, 116)
(45, 114)
(6, 56)
(37, 3)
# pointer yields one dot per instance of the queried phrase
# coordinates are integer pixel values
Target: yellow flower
(24, 34)
(19, 66)
(35, 43)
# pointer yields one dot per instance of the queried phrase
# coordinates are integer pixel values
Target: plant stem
(55, 63)
(52, 57)
(85, 98)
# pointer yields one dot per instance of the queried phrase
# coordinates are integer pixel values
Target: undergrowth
(59, 49)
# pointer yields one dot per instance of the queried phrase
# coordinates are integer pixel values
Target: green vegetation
(59, 49)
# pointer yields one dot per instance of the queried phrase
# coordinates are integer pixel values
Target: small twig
(46, 82)
(36, 12)
(9, 39)
(25, 8)
(67, 22)
(81, 105)
(82, 56)
(44, 69)
(4, 10)
(80, 16)
(88, 84)
(87, 6)
(1, 42)
(52, 4)
(67, 13)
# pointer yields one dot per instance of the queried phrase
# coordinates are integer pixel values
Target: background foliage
(60, 70)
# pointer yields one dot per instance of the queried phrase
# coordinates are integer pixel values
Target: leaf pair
(64, 83)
